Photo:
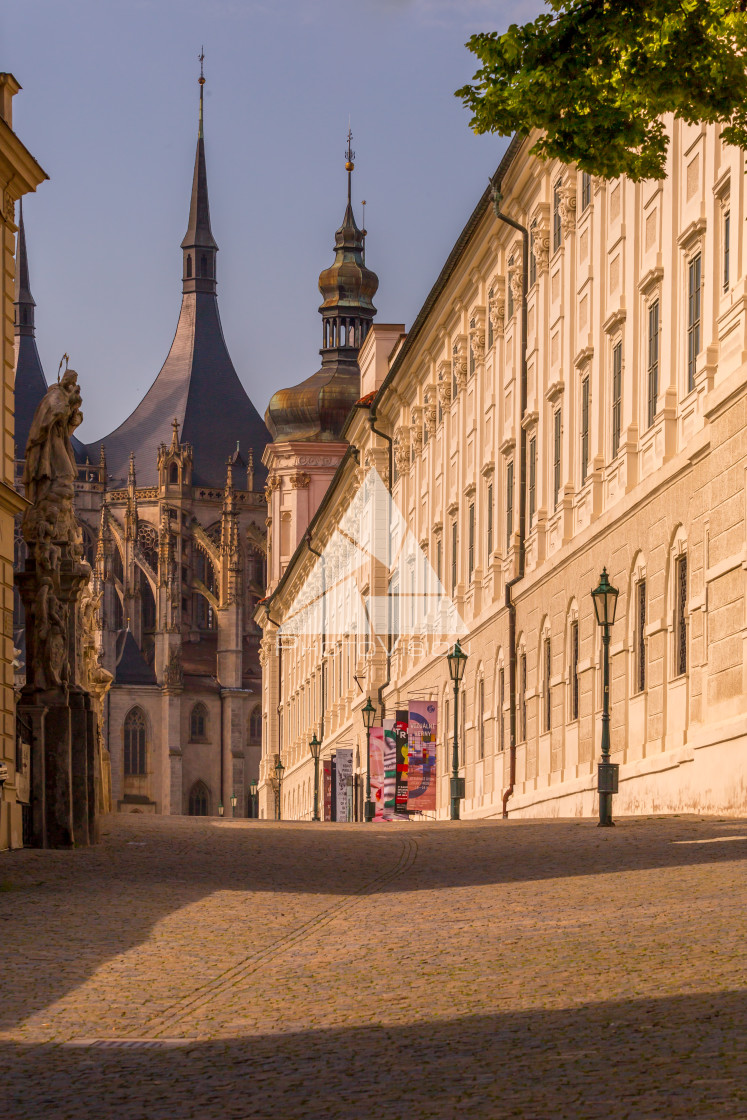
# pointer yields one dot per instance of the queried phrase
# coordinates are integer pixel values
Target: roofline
(443, 277)
(446, 272)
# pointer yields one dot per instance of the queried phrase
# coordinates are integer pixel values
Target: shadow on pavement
(673, 1058)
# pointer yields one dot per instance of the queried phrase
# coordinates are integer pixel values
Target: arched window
(198, 722)
(255, 724)
(203, 265)
(199, 800)
(174, 474)
(189, 266)
(135, 742)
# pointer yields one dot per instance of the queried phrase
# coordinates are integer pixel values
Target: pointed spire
(175, 434)
(199, 246)
(24, 301)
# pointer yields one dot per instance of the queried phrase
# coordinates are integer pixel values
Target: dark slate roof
(132, 668)
(199, 387)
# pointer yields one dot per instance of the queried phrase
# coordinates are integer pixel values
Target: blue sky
(109, 108)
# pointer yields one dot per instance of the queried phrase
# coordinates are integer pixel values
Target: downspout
(390, 441)
(511, 605)
(324, 634)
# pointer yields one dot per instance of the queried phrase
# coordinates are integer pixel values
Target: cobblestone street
(197, 968)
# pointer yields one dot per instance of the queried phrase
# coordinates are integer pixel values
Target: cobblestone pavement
(191, 968)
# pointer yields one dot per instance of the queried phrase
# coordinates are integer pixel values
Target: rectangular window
(501, 701)
(653, 360)
(680, 615)
(584, 429)
(440, 411)
(481, 717)
(439, 561)
(727, 248)
(616, 397)
(490, 319)
(490, 521)
(509, 502)
(693, 319)
(585, 191)
(454, 382)
(463, 729)
(532, 256)
(532, 479)
(556, 458)
(454, 541)
(574, 670)
(509, 288)
(557, 229)
(471, 348)
(471, 542)
(640, 636)
(546, 697)
(425, 434)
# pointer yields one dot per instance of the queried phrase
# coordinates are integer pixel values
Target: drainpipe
(511, 605)
(314, 552)
(390, 441)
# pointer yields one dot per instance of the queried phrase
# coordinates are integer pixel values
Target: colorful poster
(401, 783)
(390, 769)
(421, 775)
(327, 809)
(377, 771)
(343, 778)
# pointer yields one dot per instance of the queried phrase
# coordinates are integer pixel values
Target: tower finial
(201, 80)
(349, 165)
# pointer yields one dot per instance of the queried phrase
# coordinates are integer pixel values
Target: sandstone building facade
(548, 414)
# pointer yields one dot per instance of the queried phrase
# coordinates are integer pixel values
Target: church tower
(307, 420)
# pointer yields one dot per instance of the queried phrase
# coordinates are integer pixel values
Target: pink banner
(377, 771)
(422, 731)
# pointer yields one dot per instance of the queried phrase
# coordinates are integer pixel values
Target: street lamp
(316, 749)
(457, 660)
(605, 605)
(279, 771)
(220, 808)
(369, 715)
(253, 797)
(233, 804)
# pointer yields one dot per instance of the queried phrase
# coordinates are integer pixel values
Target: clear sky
(109, 108)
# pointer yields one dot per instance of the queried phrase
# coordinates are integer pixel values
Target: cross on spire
(349, 165)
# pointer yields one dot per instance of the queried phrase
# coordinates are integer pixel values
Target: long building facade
(553, 411)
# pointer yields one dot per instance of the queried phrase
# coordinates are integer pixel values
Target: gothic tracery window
(198, 722)
(135, 742)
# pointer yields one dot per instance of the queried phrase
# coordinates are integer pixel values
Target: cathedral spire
(199, 247)
(24, 301)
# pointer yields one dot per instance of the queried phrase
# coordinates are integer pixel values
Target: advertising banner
(377, 771)
(421, 774)
(327, 807)
(400, 788)
(344, 777)
(390, 768)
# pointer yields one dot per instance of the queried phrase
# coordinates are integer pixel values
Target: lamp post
(457, 660)
(279, 771)
(233, 804)
(316, 749)
(369, 715)
(253, 797)
(220, 808)
(605, 606)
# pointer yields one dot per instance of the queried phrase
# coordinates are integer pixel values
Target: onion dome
(317, 408)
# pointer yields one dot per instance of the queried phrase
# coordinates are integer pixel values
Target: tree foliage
(596, 76)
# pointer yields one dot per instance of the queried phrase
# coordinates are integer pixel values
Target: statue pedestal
(65, 785)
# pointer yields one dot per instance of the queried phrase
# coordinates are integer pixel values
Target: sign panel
(376, 751)
(327, 807)
(390, 768)
(344, 777)
(400, 789)
(421, 775)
